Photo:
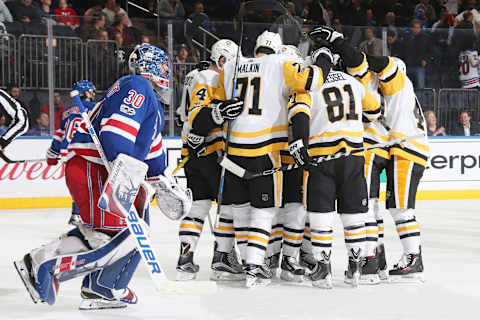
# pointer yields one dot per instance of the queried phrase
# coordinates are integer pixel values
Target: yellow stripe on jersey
(256, 134)
(388, 69)
(376, 134)
(378, 151)
(323, 151)
(299, 108)
(402, 174)
(353, 134)
(370, 103)
(300, 78)
(392, 80)
(246, 152)
(300, 101)
(361, 69)
(192, 114)
(287, 159)
(397, 135)
(220, 93)
(407, 155)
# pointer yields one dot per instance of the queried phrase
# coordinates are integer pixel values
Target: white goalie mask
(400, 64)
(270, 40)
(223, 48)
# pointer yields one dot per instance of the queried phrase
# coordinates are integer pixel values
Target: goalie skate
(257, 276)
(291, 270)
(24, 268)
(225, 267)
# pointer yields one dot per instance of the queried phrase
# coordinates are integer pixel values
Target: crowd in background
(429, 35)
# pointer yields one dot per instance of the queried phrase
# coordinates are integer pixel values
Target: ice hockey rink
(451, 252)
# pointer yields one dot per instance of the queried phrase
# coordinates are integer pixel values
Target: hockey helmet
(270, 40)
(152, 63)
(84, 85)
(223, 48)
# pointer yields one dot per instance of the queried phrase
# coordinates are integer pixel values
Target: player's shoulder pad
(208, 77)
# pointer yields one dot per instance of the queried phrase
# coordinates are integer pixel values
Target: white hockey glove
(322, 52)
(324, 36)
(195, 145)
(173, 200)
(227, 110)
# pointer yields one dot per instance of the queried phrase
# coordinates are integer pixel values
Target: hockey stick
(4, 157)
(245, 174)
(137, 226)
(180, 165)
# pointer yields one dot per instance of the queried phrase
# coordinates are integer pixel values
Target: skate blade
(98, 304)
(253, 282)
(354, 281)
(290, 277)
(23, 274)
(369, 279)
(408, 278)
(383, 275)
(185, 276)
(324, 283)
(226, 276)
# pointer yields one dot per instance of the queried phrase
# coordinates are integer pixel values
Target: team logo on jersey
(364, 202)
(265, 197)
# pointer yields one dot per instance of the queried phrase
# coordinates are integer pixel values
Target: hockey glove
(52, 157)
(324, 36)
(178, 120)
(227, 110)
(322, 53)
(195, 145)
(299, 153)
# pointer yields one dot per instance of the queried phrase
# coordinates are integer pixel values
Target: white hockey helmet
(400, 64)
(270, 40)
(223, 48)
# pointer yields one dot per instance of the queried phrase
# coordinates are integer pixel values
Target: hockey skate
(382, 263)
(24, 269)
(352, 275)
(94, 301)
(307, 260)
(273, 262)
(291, 270)
(408, 269)
(257, 276)
(321, 275)
(225, 266)
(186, 269)
(369, 273)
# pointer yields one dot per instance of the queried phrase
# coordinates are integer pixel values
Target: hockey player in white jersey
(468, 68)
(202, 145)
(260, 133)
(16, 119)
(404, 118)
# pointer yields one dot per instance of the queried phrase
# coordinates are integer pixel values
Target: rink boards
(453, 173)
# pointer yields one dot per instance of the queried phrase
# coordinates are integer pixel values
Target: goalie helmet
(270, 40)
(152, 63)
(223, 48)
(84, 85)
(400, 64)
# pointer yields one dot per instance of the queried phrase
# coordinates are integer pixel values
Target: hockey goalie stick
(140, 231)
(245, 174)
(4, 157)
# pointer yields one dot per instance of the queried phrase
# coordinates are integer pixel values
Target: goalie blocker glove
(227, 110)
(195, 145)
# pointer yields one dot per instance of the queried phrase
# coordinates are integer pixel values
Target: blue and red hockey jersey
(128, 119)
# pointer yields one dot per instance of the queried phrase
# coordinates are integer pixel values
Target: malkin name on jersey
(249, 68)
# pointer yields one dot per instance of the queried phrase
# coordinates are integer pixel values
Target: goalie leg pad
(73, 255)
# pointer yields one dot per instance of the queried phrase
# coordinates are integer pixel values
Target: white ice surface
(451, 252)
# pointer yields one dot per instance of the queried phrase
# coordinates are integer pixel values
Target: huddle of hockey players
(289, 111)
(280, 110)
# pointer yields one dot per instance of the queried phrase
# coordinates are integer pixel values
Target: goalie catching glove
(226, 110)
(173, 200)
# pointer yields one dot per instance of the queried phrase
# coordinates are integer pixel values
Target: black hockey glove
(322, 54)
(195, 145)
(299, 153)
(178, 120)
(324, 36)
(227, 110)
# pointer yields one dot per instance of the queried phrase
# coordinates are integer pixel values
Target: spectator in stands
(163, 41)
(41, 127)
(3, 127)
(432, 128)
(5, 15)
(145, 39)
(390, 22)
(121, 26)
(426, 9)
(465, 127)
(394, 44)
(171, 9)
(183, 55)
(66, 15)
(46, 9)
(87, 16)
(14, 91)
(97, 23)
(58, 108)
(369, 18)
(111, 10)
(117, 37)
(419, 44)
(199, 11)
(24, 11)
(371, 45)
